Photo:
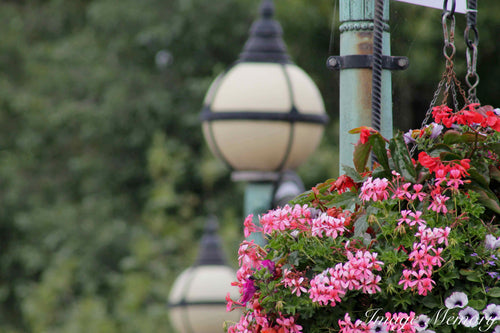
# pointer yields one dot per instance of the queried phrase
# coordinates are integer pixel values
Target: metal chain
(471, 37)
(449, 81)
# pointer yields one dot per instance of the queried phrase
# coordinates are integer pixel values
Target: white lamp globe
(264, 113)
(197, 301)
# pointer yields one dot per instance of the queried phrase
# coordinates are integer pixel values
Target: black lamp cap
(210, 252)
(265, 42)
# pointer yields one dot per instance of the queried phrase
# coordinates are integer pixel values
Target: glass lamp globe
(265, 113)
(197, 301)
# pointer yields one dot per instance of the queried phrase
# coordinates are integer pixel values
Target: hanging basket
(408, 244)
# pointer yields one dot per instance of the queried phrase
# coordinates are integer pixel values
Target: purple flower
(456, 300)
(421, 323)
(469, 317)
(379, 328)
(436, 130)
(493, 274)
(408, 137)
(249, 290)
(269, 264)
(492, 312)
(491, 242)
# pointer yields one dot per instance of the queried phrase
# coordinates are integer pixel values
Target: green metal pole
(258, 200)
(356, 17)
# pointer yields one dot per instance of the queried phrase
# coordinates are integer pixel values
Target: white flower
(497, 329)
(469, 317)
(491, 242)
(492, 312)
(456, 300)
(421, 323)
(379, 328)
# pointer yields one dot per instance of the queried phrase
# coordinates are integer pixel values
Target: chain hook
(452, 10)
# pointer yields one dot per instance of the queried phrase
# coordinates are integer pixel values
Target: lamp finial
(210, 248)
(265, 42)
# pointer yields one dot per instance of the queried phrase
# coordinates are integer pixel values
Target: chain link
(471, 37)
(448, 36)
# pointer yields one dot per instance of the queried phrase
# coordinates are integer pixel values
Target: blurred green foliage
(105, 178)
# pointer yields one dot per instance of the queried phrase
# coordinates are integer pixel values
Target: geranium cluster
(389, 248)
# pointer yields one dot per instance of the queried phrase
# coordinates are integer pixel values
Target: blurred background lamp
(197, 299)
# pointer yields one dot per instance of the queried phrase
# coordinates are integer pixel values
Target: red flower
(492, 121)
(443, 114)
(365, 135)
(469, 118)
(342, 184)
(431, 163)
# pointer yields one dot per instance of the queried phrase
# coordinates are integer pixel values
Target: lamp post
(356, 61)
(197, 299)
(263, 115)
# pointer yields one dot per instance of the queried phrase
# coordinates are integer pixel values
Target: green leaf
(352, 173)
(494, 173)
(438, 149)
(495, 147)
(494, 292)
(361, 155)
(378, 145)
(486, 197)
(452, 136)
(402, 159)
(344, 200)
(360, 226)
(480, 178)
(466, 272)
(478, 304)
(473, 277)
(449, 156)
(431, 301)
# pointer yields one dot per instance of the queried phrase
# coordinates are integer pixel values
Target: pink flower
(407, 282)
(438, 203)
(325, 289)
(289, 325)
(374, 189)
(401, 192)
(250, 226)
(418, 194)
(417, 220)
(400, 322)
(405, 219)
(328, 225)
(294, 280)
(250, 255)
(347, 326)
(423, 282)
(286, 218)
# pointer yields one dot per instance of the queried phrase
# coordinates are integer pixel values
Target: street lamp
(263, 115)
(197, 298)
